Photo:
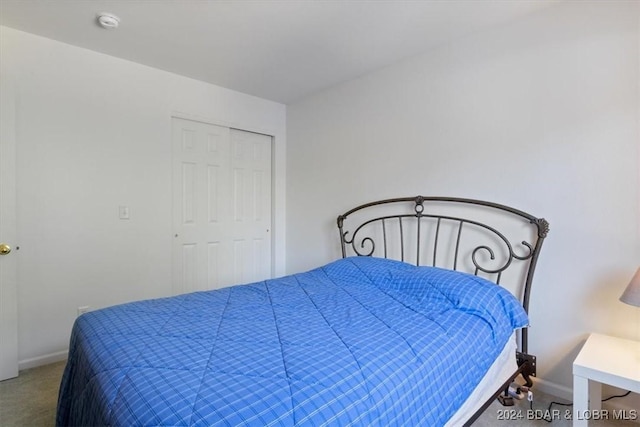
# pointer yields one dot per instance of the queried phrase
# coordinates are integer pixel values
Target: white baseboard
(552, 388)
(34, 362)
(628, 405)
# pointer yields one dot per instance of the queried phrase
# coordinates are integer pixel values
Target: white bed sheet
(502, 368)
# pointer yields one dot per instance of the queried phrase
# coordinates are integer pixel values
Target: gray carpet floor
(30, 401)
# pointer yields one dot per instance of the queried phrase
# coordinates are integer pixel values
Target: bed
(408, 327)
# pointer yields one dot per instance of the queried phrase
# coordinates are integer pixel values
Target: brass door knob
(4, 249)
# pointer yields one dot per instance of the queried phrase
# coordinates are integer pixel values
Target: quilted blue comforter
(360, 341)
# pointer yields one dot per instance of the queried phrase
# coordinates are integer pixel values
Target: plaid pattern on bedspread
(360, 341)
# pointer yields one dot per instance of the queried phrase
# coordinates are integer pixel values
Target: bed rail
(475, 236)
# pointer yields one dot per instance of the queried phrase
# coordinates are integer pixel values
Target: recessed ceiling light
(108, 21)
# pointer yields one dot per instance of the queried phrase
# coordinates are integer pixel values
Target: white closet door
(222, 206)
(251, 195)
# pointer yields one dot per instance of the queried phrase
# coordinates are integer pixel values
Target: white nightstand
(603, 360)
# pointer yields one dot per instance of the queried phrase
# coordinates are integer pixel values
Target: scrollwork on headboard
(480, 237)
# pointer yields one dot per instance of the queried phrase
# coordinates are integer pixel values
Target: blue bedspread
(360, 341)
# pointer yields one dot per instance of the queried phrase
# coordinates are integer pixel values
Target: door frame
(8, 263)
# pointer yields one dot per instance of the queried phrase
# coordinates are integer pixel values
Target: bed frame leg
(505, 399)
(527, 367)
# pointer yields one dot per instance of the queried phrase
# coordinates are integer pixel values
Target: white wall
(541, 114)
(94, 132)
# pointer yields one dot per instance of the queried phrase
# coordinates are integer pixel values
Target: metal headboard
(475, 236)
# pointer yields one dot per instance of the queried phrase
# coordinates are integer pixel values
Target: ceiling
(282, 50)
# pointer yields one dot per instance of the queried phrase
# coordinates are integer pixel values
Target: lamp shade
(631, 295)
